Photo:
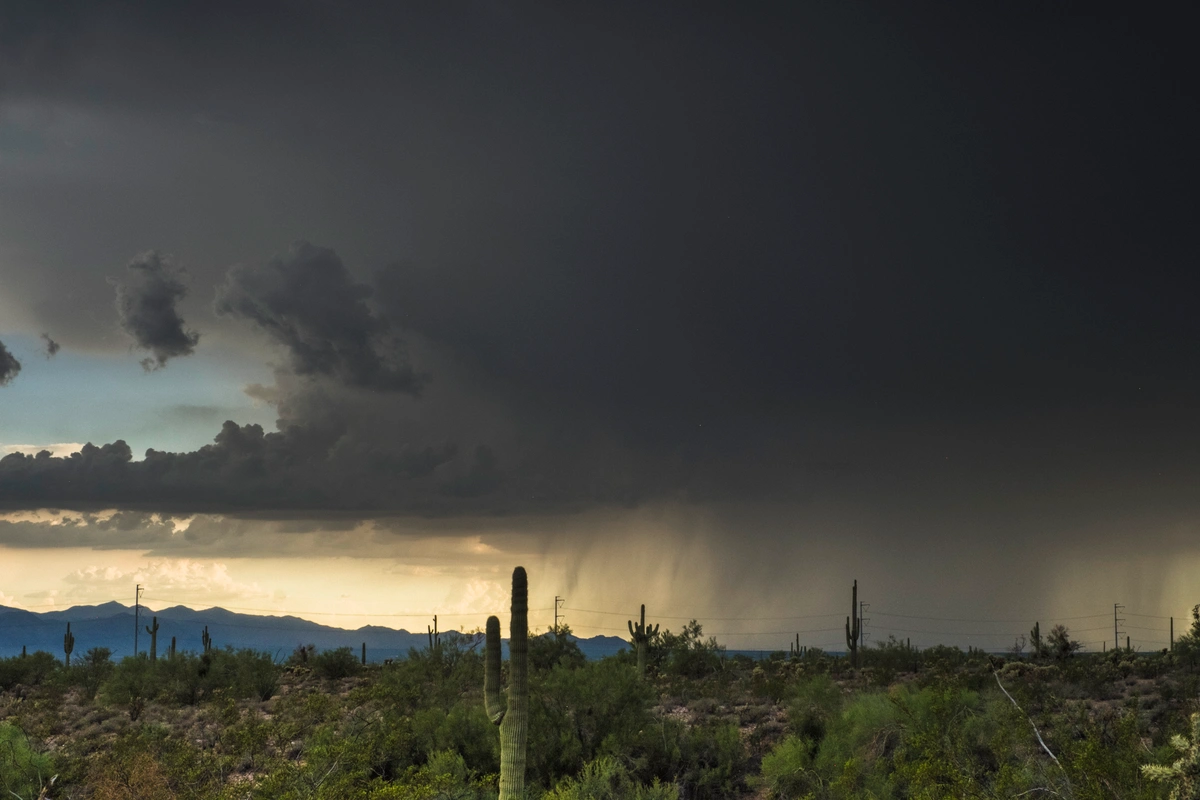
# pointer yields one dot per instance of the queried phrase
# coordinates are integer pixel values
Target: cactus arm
(493, 700)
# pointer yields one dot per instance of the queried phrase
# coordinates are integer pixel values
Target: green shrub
(133, 682)
(815, 702)
(333, 664)
(31, 670)
(787, 769)
(23, 771)
(549, 650)
(607, 779)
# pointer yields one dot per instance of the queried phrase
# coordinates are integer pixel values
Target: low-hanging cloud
(9, 366)
(307, 302)
(146, 307)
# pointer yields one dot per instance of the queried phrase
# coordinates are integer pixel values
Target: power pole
(1116, 621)
(137, 607)
(558, 602)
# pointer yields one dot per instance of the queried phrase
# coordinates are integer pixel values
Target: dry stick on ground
(1036, 732)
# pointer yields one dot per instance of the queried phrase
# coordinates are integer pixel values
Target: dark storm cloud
(9, 366)
(298, 469)
(682, 252)
(52, 347)
(146, 301)
(307, 302)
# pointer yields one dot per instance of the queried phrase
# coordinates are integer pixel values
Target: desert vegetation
(681, 720)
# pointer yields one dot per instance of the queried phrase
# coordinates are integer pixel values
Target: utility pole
(137, 607)
(862, 623)
(558, 602)
(1116, 621)
(1172, 633)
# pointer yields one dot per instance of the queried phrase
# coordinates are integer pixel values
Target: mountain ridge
(112, 625)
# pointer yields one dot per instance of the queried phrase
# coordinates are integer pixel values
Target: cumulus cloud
(52, 347)
(180, 580)
(307, 302)
(9, 366)
(146, 307)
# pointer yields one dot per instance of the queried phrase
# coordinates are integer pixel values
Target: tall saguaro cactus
(512, 716)
(206, 640)
(68, 645)
(153, 631)
(171, 652)
(641, 636)
(852, 631)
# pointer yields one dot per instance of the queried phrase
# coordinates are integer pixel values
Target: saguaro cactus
(794, 649)
(512, 716)
(435, 638)
(364, 654)
(1035, 639)
(153, 631)
(171, 652)
(641, 636)
(68, 645)
(852, 631)
(206, 640)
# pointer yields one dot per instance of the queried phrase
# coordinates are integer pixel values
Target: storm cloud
(52, 347)
(306, 301)
(146, 307)
(919, 270)
(9, 366)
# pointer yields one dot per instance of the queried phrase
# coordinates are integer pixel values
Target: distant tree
(1018, 647)
(549, 650)
(96, 667)
(1187, 646)
(1059, 643)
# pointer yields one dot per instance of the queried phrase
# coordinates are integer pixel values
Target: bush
(133, 682)
(816, 701)
(94, 670)
(786, 770)
(23, 771)
(30, 670)
(334, 664)
(607, 779)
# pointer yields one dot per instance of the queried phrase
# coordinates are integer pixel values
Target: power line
(345, 613)
(968, 619)
(702, 617)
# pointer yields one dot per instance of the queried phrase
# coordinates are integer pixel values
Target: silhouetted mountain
(112, 625)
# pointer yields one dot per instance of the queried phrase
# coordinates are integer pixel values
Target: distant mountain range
(111, 625)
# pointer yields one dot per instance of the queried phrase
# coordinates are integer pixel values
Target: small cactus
(153, 631)
(511, 714)
(853, 631)
(68, 645)
(641, 636)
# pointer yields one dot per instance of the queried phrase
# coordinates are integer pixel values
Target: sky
(347, 312)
